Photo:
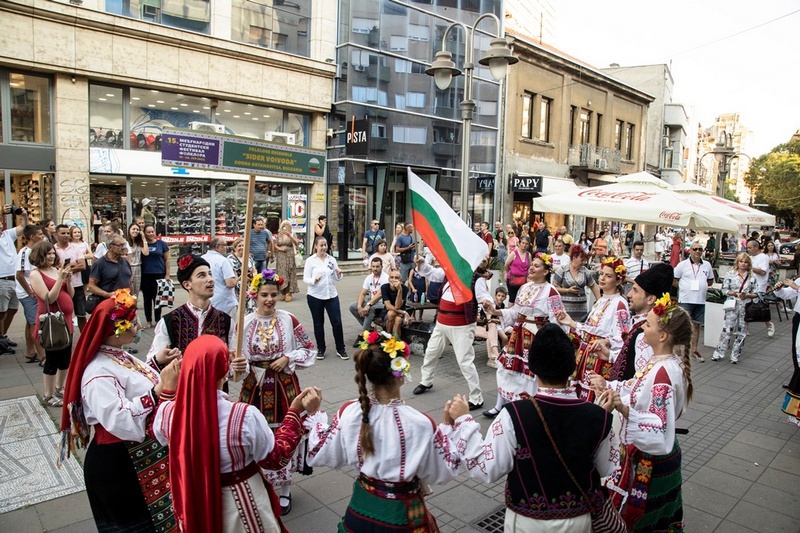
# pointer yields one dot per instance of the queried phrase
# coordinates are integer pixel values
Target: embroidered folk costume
(408, 453)
(216, 480)
(647, 485)
(266, 339)
(609, 319)
(125, 469)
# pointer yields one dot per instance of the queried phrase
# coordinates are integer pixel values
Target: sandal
(52, 401)
(32, 358)
(59, 392)
(41, 362)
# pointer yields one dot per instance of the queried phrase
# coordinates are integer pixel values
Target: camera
(16, 210)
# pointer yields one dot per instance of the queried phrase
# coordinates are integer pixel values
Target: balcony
(379, 72)
(446, 149)
(379, 143)
(595, 158)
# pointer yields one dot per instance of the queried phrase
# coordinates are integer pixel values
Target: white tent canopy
(638, 197)
(741, 213)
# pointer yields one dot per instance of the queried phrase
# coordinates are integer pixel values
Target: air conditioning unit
(360, 68)
(600, 163)
(207, 127)
(279, 138)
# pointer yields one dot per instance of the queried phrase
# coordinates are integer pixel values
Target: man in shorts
(34, 353)
(693, 277)
(8, 278)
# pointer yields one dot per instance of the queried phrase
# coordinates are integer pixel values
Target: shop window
(34, 192)
(30, 108)
(105, 117)
(188, 214)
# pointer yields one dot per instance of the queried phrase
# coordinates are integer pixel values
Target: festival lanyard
(699, 269)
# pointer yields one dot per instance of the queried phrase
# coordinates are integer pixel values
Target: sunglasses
(697, 249)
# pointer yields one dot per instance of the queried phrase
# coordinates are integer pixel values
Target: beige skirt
(522, 524)
(246, 507)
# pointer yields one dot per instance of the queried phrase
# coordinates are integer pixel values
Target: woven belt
(232, 478)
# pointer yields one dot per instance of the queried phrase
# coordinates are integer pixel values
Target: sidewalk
(741, 459)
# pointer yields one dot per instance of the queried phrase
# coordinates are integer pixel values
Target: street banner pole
(243, 281)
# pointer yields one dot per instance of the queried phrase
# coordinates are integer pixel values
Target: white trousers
(461, 338)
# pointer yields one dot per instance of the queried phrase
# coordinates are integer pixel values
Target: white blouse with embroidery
(267, 341)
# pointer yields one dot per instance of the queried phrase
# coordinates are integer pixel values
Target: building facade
(729, 130)
(87, 88)
(568, 126)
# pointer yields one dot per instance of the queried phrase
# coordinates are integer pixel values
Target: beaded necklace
(265, 333)
(121, 358)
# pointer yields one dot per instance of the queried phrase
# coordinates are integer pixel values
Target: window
(415, 100)
(398, 43)
(629, 130)
(362, 25)
(572, 112)
(598, 128)
(192, 15)
(281, 26)
(586, 123)
(105, 117)
(483, 138)
(379, 130)
(544, 119)
(409, 135)
(30, 108)
(370, 95)
(487, 107)
(618, 134)
(527, 116)
(418, 32)
(408, 67)
(399, 101)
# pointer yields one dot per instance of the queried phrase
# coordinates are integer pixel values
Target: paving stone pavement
(741, 459)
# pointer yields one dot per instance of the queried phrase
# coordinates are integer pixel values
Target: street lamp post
(497, 58)
(724, 153)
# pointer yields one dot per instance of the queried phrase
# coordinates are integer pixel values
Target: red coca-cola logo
(666, 215)
(636, 196)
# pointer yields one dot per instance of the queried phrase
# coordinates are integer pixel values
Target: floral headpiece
(124, 310)
(546, 259)
(617, 264)
(664, 308)
(398, 351)
(260, 279)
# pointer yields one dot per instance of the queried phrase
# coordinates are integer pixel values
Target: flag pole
(243, 283)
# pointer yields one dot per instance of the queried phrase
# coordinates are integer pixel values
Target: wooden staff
(243, 281)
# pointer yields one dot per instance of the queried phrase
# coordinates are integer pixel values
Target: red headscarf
(194, 470)
(101, 325)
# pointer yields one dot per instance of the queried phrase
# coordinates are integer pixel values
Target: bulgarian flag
(457, 249)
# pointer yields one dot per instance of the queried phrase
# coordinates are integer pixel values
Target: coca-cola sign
(667, 215)
(635, 196)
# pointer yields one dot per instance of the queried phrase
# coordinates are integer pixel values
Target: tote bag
(53, 330)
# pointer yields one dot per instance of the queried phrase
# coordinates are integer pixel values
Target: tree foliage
(779, 183)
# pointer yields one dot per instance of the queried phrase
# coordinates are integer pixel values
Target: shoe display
(474, 406)
(422, 389)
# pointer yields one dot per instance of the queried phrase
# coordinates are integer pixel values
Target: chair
(778, 302)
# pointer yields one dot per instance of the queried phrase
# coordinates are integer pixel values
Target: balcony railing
(595, 158)
(378, 72)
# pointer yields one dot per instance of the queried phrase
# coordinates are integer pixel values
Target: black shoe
(474, 406)
(7, 351)
(133, 351)
(9, 341)
(491, 413)
(320, 355)
(285, 509)
(357, 344)
(342, 355)
(785, 386)
(422, 389)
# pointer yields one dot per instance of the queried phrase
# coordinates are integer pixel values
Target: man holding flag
(459, 252)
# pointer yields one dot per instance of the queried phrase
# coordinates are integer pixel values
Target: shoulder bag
(53, 330)
(604, 520)
(730, 303)
(757, 311)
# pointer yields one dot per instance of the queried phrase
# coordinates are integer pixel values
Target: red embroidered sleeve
(287, 437)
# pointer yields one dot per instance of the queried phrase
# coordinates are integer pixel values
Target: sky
(725, 57)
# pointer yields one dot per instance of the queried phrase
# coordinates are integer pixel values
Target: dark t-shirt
(391, 295)
(154, 262)
(373, 237)
(542, 239)
(403, 241)
(111, 276)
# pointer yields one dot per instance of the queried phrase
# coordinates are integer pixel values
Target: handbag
(165, 293)
(92, 301)
(53, 330)
(606, 519)
(757, 311)
(730, 303)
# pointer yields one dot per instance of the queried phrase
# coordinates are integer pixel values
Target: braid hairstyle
(372, 364)
(679, 328)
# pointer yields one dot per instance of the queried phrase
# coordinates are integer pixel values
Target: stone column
(73, 206)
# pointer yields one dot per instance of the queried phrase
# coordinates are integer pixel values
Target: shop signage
(357, 137)
(297, 207)
(485, 184)
(526, 183)
(197, 239)
(214, 151)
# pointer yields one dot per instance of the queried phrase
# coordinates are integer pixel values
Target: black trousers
(150, 290)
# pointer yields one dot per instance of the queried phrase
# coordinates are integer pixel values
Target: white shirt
(224, 297)
(324, 289)
(161, 337)
(432, 273)
(788, 293)
(24, 265)
(658, 245)
(101, 250)
(636, 266)
(8, 253)
(373, 285)
(761, 262)
(692, 281)
(562, 261)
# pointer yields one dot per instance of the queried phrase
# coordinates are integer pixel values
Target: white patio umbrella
(637, 198)
(743, 214)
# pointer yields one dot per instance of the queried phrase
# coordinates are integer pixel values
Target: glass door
(357, 221)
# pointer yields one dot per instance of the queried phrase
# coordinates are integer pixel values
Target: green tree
(779, 181)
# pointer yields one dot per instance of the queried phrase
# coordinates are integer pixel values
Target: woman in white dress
(537, 303)
(396, 449)
(275, 345)
(601, 337)
(217, 447)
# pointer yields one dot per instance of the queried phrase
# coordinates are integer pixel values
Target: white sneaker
(770, 329)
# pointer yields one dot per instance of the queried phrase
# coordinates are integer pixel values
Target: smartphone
(66, 261)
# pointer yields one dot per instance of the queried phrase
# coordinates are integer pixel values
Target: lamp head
(443, 69)
(498, 58)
